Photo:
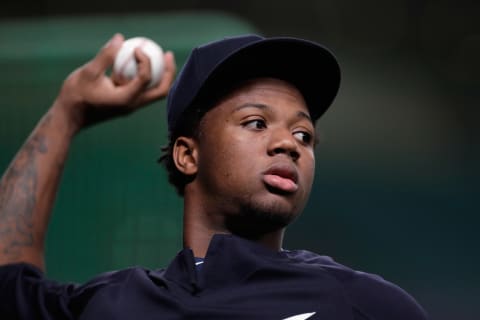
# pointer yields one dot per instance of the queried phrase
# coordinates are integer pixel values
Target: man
(241, 121)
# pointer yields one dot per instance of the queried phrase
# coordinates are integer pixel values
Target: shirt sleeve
(25, 293)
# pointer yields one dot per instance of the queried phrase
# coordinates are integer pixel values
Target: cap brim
(310, 67)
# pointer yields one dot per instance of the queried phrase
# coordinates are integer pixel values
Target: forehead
(272, 84)
(279, 98)
(273, 95)
(265, 90)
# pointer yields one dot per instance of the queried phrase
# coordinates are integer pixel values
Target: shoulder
(96, 295)
(25, 292)
(370, 294)
(375, 296)
(133, 276)
(22, 276)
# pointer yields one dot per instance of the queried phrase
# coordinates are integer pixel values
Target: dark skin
(29, 185)
(253, 166)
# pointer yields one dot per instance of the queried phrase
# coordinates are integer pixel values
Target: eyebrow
(302, 114)
(251, 105)
(261, 106)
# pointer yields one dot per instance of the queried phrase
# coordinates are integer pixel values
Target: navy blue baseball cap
(215, 67)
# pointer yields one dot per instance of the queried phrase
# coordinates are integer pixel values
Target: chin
(260, 217)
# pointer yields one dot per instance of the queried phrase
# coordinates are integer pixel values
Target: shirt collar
(229, 260)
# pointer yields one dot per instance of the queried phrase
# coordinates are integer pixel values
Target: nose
(283, 142)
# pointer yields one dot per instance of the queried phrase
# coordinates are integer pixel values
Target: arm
(29, 185)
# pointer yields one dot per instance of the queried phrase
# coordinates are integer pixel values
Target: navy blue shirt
(239, 280)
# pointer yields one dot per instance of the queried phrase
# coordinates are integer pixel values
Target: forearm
(29, 185)
(28, 188)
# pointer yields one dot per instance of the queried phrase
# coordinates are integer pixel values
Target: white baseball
(125, 65)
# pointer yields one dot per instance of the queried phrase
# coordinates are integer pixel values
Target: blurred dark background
(396, 190)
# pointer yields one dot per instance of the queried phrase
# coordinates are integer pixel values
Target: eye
(304, 137)
(256, 124)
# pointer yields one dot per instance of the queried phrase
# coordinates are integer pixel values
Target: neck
(199, 226)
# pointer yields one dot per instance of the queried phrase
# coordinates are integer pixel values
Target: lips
(282, 177)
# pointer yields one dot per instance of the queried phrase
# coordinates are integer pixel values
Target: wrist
(69, 115)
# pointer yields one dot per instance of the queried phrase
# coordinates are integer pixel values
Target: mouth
(281, 177)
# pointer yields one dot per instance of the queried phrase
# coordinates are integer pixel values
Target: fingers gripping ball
(125, 65)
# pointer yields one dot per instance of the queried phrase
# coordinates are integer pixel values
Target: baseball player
(241, 127)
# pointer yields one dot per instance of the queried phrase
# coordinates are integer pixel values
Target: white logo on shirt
(302, 316)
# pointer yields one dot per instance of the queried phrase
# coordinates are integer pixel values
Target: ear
(185, 155)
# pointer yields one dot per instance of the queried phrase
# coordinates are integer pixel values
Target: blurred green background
(396, 191)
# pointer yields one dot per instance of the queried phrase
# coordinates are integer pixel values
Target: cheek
(236, 157)
(225, 160)
(309, 168)
(241, 161)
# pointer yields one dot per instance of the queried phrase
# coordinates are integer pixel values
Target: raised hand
(29, 185)
(89, 95)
